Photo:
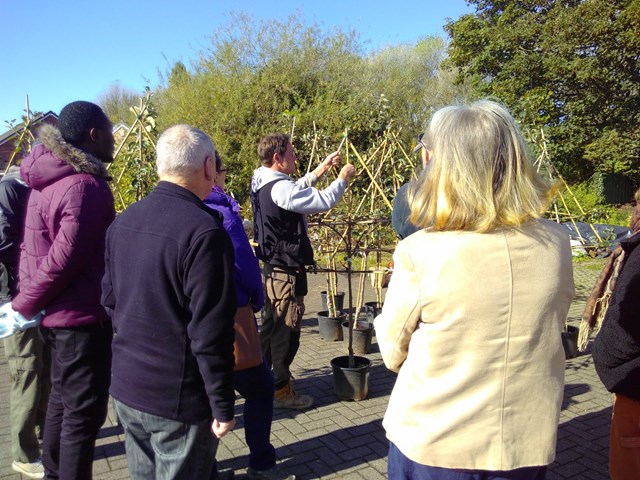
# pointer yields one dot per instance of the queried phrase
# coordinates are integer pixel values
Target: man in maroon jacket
(61, 266)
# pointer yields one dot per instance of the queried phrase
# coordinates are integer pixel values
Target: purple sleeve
(248, 279)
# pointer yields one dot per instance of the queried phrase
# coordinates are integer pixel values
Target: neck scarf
(598, 301)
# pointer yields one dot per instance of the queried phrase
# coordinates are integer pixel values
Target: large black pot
(351, 383)
(330, 327)
(338, 298)
(362, 336)
(570, 342)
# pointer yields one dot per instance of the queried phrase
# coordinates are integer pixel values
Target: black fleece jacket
(169, 289)
(14, 195)
(616, 349)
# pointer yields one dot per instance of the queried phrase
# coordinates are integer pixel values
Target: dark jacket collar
(172, 189)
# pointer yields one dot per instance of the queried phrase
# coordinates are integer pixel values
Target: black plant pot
(338, 298)
(570, 342)
(330, 327)
(362, 336)
(372, 309)
(351, 383)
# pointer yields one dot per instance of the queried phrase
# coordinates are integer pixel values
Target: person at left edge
(27, 357)
(168, 286)
(61, 265)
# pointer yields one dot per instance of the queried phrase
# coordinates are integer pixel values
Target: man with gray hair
(168, 287)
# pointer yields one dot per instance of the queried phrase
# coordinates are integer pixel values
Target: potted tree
(362, 223)
(350, 372)
(331, 317)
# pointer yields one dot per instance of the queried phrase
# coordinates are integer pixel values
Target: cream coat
(472, 324)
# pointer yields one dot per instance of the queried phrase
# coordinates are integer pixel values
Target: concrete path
(344, 439)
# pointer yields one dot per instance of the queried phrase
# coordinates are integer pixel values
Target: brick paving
(345, 440)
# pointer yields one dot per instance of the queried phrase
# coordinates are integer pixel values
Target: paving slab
(345, 439)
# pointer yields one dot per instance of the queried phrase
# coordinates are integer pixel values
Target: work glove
(12, 322)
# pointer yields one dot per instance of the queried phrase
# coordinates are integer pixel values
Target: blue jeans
(80, 377)
(162, 448)
(256, 387)
(399, 467)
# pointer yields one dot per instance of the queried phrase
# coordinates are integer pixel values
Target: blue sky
(60, 51)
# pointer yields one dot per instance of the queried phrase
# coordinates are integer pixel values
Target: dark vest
(281, 235)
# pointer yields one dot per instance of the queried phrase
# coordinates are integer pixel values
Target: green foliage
(284, 75)
(134, 168)
(587, 205)
(571, 67)
(116, 102)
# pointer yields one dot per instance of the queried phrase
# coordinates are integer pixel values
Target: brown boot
(286, 397)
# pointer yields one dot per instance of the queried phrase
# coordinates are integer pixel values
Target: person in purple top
(254, 384)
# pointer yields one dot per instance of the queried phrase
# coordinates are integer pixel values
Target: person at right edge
(474, 311)
(280, 231)
(616, 352)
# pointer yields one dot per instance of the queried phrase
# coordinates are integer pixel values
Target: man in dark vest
(280, 231)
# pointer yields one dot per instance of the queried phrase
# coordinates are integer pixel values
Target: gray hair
(480, 176)
(181, 150)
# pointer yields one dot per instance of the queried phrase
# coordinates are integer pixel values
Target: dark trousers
(80, 378)
(256, 387)
(399, 467)
(282, 319)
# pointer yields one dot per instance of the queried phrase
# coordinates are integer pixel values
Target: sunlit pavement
(345, 440)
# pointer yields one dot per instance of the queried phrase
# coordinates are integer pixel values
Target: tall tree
(260, 77)
(569, 66)
(116, 102)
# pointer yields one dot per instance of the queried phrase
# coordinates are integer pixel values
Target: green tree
(116, 101)
(134, 168)
(570, 67)
(285, 75)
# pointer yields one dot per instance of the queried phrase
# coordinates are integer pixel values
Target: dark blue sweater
(169, 289)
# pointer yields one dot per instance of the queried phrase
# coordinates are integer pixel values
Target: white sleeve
(298, 197)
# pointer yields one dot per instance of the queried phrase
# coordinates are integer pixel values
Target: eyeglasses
(222, 170)
(420, 143)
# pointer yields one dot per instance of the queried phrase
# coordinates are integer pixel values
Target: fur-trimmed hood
(53, 158)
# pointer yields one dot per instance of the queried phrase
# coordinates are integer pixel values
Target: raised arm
(302, 197)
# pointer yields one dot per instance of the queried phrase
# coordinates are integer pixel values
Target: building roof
(12, 133)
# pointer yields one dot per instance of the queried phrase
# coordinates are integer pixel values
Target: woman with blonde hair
(473, 314)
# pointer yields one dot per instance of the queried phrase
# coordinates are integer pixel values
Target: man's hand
(347, 172)
(220, 429)
(332, 160)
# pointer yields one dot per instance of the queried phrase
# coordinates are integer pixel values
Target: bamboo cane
(313, 147)
(376, 185)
